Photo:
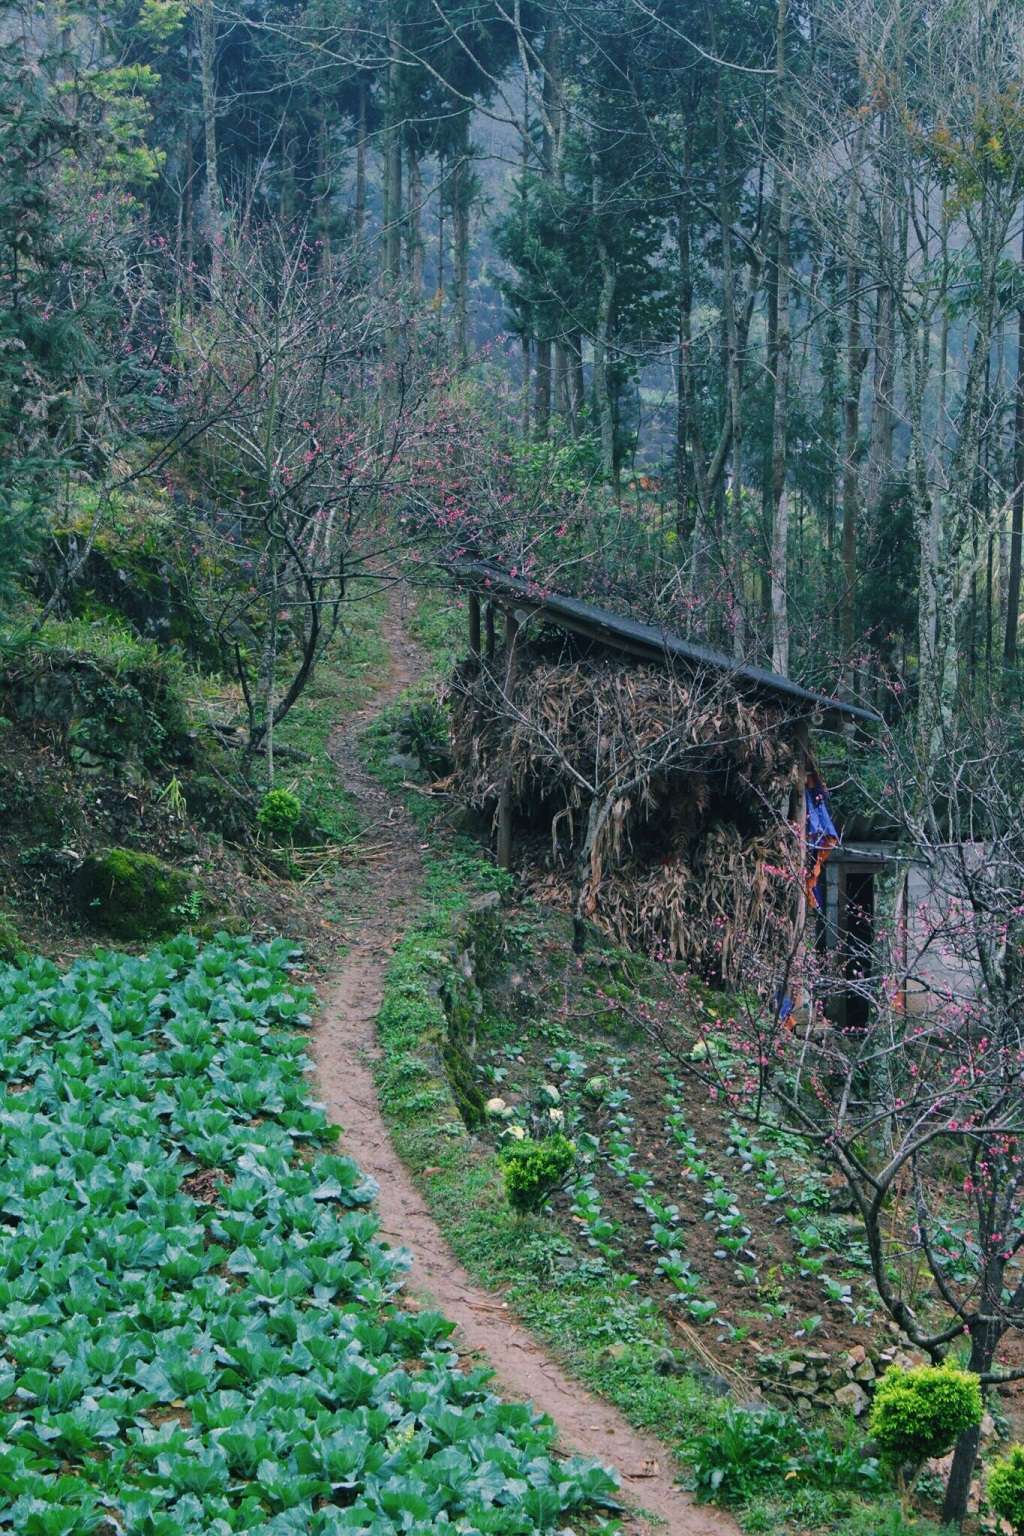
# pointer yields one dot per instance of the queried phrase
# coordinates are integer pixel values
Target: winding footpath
(344, 1049)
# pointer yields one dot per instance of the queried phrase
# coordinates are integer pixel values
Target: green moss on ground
(132, 895)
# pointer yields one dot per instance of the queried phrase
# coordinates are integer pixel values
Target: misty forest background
(712, 310)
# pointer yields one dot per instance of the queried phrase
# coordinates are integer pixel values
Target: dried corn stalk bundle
(661, 796)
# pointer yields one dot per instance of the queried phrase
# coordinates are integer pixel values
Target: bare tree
(312, 462)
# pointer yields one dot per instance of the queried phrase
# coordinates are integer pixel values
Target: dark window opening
(857, 943)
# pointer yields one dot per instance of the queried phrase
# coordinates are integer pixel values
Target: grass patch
(341, 684)
(439, 622)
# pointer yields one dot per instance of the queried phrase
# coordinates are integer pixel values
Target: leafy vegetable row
(201, 1332)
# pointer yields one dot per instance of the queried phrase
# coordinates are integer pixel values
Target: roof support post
(798, 817)
(504, 849)
(489, 631)
(474, 624)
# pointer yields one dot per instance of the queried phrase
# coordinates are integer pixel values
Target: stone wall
(813, 1378)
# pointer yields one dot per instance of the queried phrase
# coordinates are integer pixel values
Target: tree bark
(855, 364)
(393, 162)
(780, 403)
(602, 330)
(359, 211)
(1017, 513)
(684, 478)
(414, 230)
(542, 387)
(461, 197)
(527, 375)
(214, 203)
(984, 1339)
(882, 413)
(733, 376)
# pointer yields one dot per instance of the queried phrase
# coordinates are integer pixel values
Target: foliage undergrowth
(341, 683)
(535, 1169)
(201, 1330)
(101, 688)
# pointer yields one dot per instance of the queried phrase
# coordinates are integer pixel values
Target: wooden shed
(654, 784)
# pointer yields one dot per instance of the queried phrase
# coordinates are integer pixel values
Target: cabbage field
(200, 1332)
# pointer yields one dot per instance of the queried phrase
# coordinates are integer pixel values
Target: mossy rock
(133, 895)
(465, 1090)
(230, 923)
(104, 695)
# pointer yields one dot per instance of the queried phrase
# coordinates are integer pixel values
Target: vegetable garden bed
(201, 1331)
(734, 1230)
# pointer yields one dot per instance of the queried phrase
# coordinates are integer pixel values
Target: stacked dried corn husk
(692, 782)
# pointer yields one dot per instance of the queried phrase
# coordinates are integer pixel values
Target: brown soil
(344, 1048)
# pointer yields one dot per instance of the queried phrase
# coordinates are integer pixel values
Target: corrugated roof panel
(628, 634)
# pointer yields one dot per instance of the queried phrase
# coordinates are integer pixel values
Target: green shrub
(920, 1413)
(749, 1450)
(533, 1170)
(280, 814)
(743, 1453)
(133, 895)
(10, 944)
(422, 731)
(1006, 1487)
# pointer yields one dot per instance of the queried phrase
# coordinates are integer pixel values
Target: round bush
(280, 813)
(535, 1169)
(1006, 1487)
(921, 1413)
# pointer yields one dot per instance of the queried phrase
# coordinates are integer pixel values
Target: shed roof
(643, 640)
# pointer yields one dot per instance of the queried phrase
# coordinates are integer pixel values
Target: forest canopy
(717, 306)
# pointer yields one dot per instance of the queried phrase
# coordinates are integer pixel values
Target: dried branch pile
(662, 798)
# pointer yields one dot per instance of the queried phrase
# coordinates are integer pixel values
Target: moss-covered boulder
(133, 895)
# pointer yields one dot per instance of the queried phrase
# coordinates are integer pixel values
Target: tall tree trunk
(442, 177)
(461, 198)
(551, 151)
(268, 667)
(984, 1340)
(684, 479)
(882, 411)
(783, 347)
(323, 187)
(542, 387)
(602, 330)
(359, 212)
(414, 222)
(214, 202)
(780, 405)
(393, 161)
(1017, 513)
(856, 361)
(286, 191)
(560, 380)
(188, 212)
(733, 376)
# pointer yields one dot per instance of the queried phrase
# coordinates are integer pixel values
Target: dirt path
(344, 1049)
